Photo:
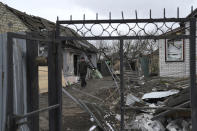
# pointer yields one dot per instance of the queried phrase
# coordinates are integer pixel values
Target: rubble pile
(150, 106)
(156, 104)
(143, 122)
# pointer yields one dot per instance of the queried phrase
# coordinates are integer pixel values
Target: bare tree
(103, 48)
(133, 48)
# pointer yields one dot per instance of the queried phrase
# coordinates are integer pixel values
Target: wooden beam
(185, 104)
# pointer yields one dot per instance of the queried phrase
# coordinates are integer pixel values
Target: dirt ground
(74, 118)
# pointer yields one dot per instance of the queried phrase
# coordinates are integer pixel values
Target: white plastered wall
(175, 69)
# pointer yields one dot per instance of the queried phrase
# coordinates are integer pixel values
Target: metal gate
(19, 117)
(136, 29)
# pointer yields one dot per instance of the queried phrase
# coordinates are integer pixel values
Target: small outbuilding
(13, 20)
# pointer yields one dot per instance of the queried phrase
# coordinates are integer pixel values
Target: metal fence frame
(54, 82)
(191, 37)
(55, 65)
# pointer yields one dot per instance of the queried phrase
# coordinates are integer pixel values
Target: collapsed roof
(38, 24)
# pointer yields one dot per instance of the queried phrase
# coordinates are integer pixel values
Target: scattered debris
(166, 106)
(179, 125)
(96, 74)
(96, 113)
(131, 100)
(110, 127)
(149, 106)
(92, 128)
(143, 122)
(118, 117)
(160, 94)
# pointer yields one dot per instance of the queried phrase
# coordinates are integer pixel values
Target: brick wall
(10, 22)
(174, 69)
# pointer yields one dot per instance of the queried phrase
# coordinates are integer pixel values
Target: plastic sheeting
(19, 80)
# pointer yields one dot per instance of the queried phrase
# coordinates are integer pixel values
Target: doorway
(76, 62)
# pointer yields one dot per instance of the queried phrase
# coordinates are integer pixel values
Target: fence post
(122, 84)
(9, 109)
(32, 84)
(55, 85)
(193, 73)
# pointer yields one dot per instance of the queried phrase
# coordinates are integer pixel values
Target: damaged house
(12, 20)
(174, 53)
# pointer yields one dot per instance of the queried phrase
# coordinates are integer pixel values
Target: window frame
(183, 51)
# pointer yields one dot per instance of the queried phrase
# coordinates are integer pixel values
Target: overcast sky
(50, 9)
